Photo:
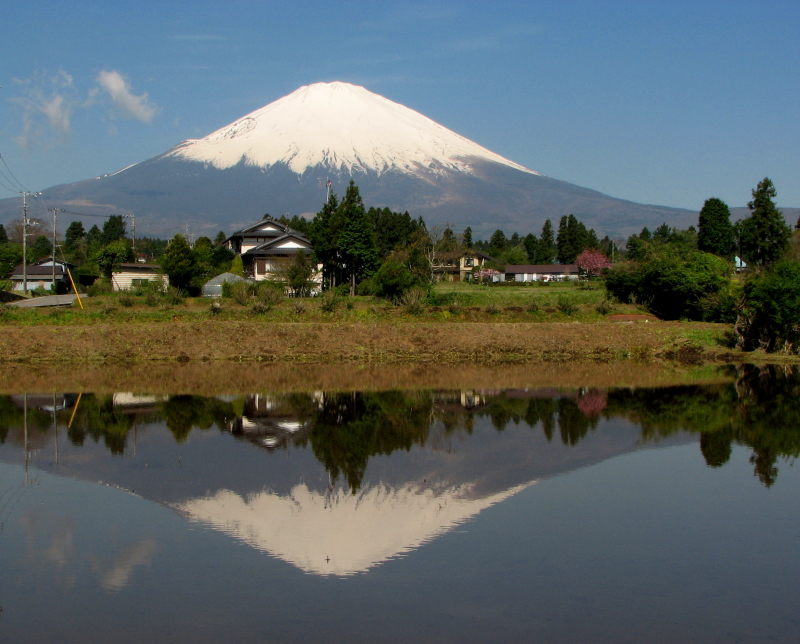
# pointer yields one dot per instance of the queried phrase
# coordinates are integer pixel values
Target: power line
(12, 174)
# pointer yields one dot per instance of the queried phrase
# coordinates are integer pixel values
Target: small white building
(40, 275)
(131, 276)
(541, 272)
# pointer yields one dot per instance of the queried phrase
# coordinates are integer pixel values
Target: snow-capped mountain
(279, 158)
(340, 127)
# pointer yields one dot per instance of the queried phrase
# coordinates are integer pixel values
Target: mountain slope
(278, 159)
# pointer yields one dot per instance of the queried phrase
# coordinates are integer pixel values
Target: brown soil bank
(246, 341)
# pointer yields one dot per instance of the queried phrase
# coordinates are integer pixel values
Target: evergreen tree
(662, 234)
(468, 237)
(220, 238)
(547, 244)
(112, 255)
(393, 230)
(237, 266)
(715, 231)
(93, 238)
(179, 263)
(449, 242)
(356, 244)
(515, 240)
(75, 233)
(41, 248)
(3, 235)
(324, 236)
(764, 234)
(645, 235)
(113, 229)
(531, 244)
(571, 240)
(497, 243)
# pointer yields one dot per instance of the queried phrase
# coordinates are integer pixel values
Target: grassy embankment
(470, 324)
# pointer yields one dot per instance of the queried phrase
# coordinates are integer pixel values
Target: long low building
(129, 276)
(541, 272)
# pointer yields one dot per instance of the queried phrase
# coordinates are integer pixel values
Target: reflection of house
(267, 247)
(40, 275)
(130, 276)
(457, 265)
(541, 272)
(267, 423)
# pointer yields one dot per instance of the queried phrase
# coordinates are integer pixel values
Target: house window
(139, 282)
(469, 262)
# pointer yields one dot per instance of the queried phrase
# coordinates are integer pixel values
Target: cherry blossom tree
(591, 261)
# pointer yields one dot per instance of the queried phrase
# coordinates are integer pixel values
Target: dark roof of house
(140, 265)
(34, 270)
(542, 268)
(273, 247)
(253, 229)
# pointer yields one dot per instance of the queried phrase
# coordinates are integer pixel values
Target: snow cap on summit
(340, 127)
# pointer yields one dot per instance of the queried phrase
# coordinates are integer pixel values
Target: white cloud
(130, 105)
(53, 97)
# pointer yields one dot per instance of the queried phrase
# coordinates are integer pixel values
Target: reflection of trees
(349, 428)
(759, 410)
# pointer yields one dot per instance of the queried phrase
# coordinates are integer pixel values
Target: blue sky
(667, 103)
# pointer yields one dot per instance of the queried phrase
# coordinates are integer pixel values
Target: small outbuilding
(541, 272)
(213, 287)
(130, 276)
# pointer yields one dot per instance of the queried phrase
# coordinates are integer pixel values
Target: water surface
(552, 515)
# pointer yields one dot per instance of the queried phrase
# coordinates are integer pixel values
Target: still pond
(665, 514)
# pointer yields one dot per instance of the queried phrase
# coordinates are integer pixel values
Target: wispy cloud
(129, 104)
(196, 37)
(46, 100)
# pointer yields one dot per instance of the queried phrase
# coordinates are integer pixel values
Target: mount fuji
(279, 158)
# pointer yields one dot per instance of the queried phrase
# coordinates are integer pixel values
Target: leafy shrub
(151, 299)
(126, 299)
(770, 313)
(392, 280)
(330, 301)
(493, 309)
(101, 286)
(566, 304)
(173, 296)
(343, 290)
(674, 285)
(299, 307)
(227, 289)
(413, 300)
(604, 308)
(533, 306)
(6, 285)
(215, 308)
(241, 293)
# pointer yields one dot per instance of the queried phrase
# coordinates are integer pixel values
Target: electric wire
(18, 182)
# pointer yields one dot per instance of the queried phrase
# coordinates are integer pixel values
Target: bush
(241, 293)
(126, 299)
(770, 312)
(101, 286)
(604, 308)
(151, 299)
(173, 296)
(227, 289)
(493, 309)
(674, 286)
(566, 304)
(267, 296)
(215, 308)
(413, 300)
(330, 301)
(533, 306)
(299, 307)
(392, 280)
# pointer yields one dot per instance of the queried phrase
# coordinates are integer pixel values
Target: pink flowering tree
(592, 262)
(486, 275)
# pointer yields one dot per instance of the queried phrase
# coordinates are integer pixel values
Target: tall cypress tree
(571, 240)
(715, 231)
(74, 234)
(3, 235)
(547, 244)
(764, 234)
(356, 242)
(468, 237)
(324, 237)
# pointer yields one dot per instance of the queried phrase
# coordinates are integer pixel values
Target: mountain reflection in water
(398, 467)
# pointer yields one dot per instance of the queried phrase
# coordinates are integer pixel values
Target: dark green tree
(93, 238)
(764, 235)
(113, 229)
(112, 255)
(714, 228)
(41, 247)
(645, 235)
(498, 243)
(298, 274)
(572, 238)
(220, 238)
(356, 244)
(468, 237)
(179, 263)
(324, 236)
(770, 314)
(547, 244)
(74, 235)
(3, 235)
(662, 234)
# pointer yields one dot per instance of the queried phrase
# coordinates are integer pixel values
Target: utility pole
(54, 211)
(25, 194)
(133, 231)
